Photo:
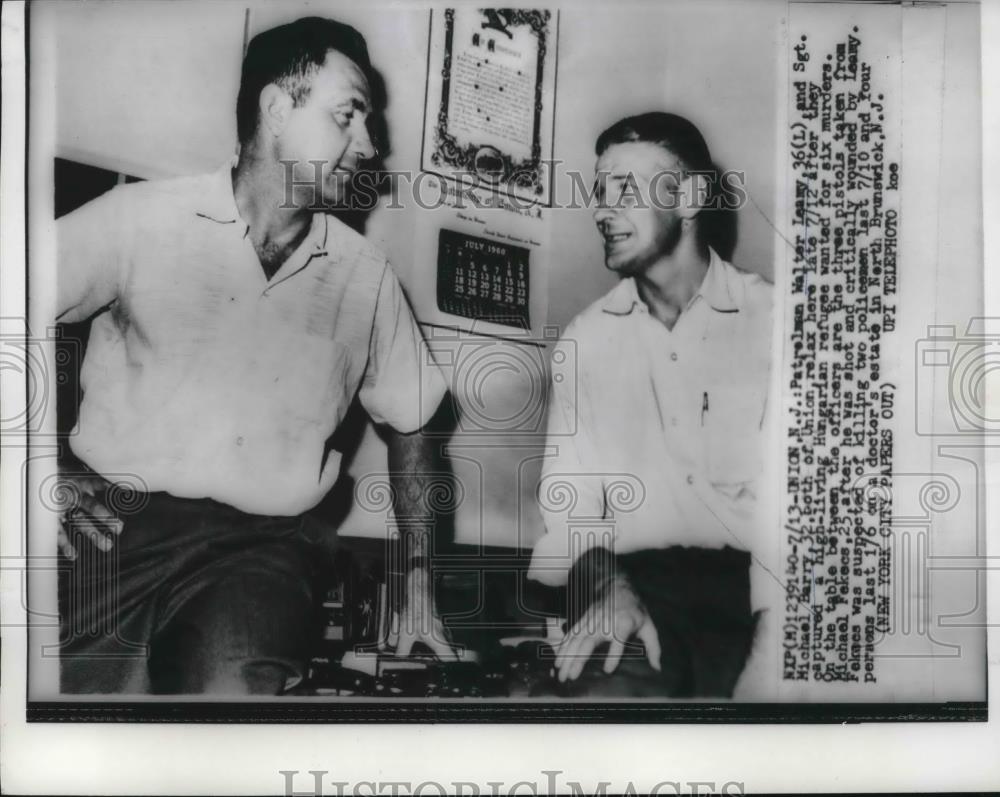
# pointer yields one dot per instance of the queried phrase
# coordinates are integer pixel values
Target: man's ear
(694, 195)
(275, 106)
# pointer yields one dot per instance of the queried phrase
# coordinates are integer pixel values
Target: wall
(145, 87)
(150, 91)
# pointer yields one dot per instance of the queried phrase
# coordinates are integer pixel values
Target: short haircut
(668, 130)
(289, 56)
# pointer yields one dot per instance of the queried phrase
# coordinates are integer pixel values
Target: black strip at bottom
(315, 710)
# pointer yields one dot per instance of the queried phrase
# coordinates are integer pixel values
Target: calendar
(482, 279)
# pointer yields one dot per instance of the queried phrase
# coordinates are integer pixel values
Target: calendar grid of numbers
(482, 279)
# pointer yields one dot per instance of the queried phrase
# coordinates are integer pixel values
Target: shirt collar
(721, 288)
(218, 204)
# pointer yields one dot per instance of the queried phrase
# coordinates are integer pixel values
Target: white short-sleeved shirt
(658, 438)
(205, 379)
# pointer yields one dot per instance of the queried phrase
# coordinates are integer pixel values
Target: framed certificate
(488, 118)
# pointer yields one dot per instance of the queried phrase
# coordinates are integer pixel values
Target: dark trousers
(699, 601)
(196, 597)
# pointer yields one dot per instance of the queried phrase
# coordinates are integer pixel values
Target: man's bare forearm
(413, 469)
(414, 473)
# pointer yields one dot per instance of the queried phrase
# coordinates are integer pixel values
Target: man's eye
(344, 117)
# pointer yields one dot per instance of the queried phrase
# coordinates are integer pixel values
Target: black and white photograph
(380, 367)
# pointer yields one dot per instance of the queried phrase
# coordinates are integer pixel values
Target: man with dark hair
(233, 327)
(289, 56)
(672, 380)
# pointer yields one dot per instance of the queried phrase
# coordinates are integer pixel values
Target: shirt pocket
(733, 438)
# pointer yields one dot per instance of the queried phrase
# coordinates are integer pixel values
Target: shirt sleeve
(403, 385)
(571, 486)
(90, 245)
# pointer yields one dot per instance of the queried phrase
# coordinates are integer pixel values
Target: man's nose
(602, 213)
(362, 141)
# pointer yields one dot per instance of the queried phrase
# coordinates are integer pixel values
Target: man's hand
(615, 616)
(418, 622)
(81, 510)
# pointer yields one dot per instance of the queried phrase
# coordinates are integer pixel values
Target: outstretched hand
(419, 621)
(614, 617)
